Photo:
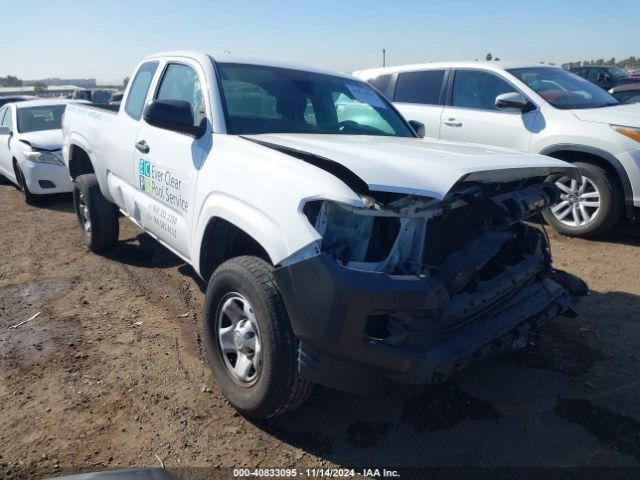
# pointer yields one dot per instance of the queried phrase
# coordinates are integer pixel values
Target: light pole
(384, 57)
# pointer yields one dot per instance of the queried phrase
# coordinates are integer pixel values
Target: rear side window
(381, 83)
(139, 89)
(180, 82)
(419, 87)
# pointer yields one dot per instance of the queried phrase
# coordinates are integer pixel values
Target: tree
(489, 57)
(496, 59)
(39, 88)
(10, 81)
(125, 82)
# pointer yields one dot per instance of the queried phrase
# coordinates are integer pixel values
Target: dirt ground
(111, 373)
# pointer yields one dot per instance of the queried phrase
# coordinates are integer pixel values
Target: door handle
(142, 146)
(452, 122)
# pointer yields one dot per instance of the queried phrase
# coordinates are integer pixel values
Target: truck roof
(203, 57)
(485, 65)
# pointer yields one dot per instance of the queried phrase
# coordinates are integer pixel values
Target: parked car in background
(94, 95)
(116, 99)
(605, 76)
(340, 248)
(628, 93)
(30, 147)
(15, 98)
(532, 108)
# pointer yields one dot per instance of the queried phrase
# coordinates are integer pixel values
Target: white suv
(532, 108)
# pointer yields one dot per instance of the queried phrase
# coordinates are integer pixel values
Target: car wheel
(98, 218)
(28, 197)
(250, 345)
(588, 207)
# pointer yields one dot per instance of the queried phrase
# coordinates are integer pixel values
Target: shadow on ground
(570, 398)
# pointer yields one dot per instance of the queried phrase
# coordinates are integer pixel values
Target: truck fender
(247, 218)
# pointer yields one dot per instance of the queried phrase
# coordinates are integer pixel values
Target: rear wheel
(98, 218)
(250, 345)
(588, 207)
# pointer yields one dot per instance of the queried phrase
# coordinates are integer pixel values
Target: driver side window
(180, 82)
(478, 90)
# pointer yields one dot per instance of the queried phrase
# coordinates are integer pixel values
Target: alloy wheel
(579, 202)
(238, 338)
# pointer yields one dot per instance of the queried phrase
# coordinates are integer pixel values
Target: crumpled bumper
(358, 329)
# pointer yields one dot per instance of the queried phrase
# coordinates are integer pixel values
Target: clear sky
(105, 39)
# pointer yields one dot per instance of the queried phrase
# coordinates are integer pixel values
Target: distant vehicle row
(532, 108)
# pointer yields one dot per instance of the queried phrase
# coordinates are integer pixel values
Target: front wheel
(28, 197)
(249, 342)
(98, 218)
(586, 208)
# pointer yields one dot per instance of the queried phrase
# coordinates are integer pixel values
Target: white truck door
(419, 96)
(472, 116)
(167, 161)
(123, 138)
(5, 143)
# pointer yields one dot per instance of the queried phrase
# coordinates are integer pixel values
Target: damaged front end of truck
(410, 288)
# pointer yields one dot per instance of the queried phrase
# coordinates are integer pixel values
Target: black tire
(279, 387)
(611, 204)
(29, 198)
(104, 226)
(4, 180)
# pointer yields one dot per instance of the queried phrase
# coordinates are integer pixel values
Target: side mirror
(4, 131)
(175, 115)
(418, 127)
(513, 101)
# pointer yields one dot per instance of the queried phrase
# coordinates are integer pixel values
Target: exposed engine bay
(413, 235)
(472, 247)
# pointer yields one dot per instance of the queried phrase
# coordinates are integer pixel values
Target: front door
(167, 162)
(472, 116)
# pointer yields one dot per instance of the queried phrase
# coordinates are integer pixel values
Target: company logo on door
(162, 184)
(144, 169)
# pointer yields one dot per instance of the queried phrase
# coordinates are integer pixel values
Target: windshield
(262, 99)
(36, 119)
(563, 89)
(617, 72)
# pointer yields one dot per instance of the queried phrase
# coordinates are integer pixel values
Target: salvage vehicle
(344, 252)
(30, 148)
(537, 109)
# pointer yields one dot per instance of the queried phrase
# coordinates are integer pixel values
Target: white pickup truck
(340, 248)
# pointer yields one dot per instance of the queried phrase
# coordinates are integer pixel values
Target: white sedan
(30, 147)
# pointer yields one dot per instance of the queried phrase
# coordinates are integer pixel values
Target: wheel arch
(222, 241)
(574, 153)
(79, 161)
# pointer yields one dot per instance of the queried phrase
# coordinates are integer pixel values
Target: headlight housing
(41, 156)
(631, 132)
